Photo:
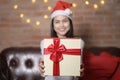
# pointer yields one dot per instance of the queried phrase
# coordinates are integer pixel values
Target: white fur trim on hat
(65, 12)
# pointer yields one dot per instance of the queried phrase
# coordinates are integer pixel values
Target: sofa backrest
(23, 62)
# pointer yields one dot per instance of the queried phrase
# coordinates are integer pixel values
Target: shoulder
(41, 42)
(82, 43)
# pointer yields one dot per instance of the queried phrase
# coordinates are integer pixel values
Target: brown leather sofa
(100, 63)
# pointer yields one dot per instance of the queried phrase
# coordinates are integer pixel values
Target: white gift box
(62, 57)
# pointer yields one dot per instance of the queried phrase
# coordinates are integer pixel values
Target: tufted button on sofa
(23, 62)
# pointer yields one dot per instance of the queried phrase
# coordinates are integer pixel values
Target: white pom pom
(67, 11)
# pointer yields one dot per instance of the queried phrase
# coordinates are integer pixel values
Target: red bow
(56, 56)
(56, 50)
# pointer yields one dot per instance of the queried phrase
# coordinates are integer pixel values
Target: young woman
(4, 70)
(61, 27)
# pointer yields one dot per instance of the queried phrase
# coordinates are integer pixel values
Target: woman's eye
(65, 20)
(56, 21)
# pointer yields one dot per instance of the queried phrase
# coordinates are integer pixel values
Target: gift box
(62, 57)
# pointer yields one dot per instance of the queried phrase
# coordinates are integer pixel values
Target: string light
(15, 7)
(45, 16)
(28, 20)
(95, 6)
(74, 5)
(71, 12)
(21, 15)
(37, 23)
(33, 1)
(45, 1)
(102, 2)
(49, 8)
(87, 2)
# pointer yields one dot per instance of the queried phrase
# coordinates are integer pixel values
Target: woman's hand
(82, 69)
(41, 67)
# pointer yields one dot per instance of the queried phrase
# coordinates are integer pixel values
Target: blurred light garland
(49, 8)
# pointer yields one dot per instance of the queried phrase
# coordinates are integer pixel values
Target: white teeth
(62, 29)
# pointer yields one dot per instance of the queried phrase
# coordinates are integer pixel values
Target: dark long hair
(4, 70)
(69, 34)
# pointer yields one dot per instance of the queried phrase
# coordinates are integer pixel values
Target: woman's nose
(61, 24)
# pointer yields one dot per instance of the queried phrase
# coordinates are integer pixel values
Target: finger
(42, 64)
(42, 70)
(82, 70)
(81, 74)
(42, 61)
(82, 66)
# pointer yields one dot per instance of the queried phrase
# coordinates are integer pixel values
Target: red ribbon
(56, 50)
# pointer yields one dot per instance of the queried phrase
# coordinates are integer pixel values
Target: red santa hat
(62, 8)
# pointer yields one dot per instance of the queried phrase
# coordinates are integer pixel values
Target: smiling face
(61, 25)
